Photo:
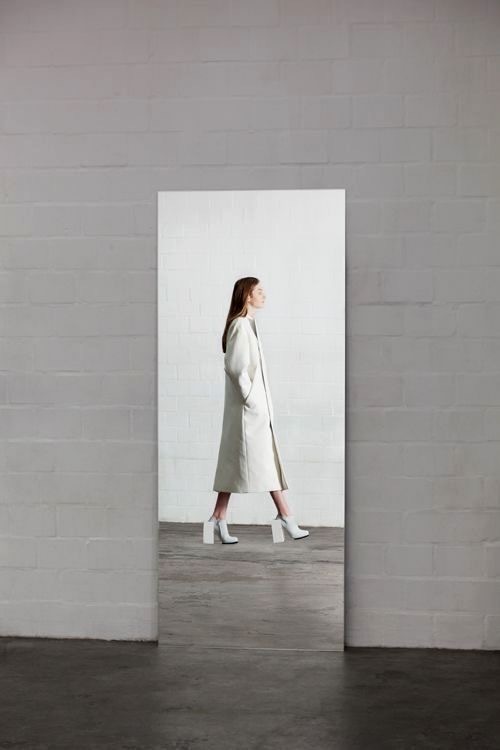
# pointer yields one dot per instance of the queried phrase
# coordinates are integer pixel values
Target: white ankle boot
(289, 523)
(220, 525)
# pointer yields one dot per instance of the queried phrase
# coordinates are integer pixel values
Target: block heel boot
(289, 523)
(220, 526)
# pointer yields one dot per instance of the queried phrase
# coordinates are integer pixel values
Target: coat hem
(257, 489)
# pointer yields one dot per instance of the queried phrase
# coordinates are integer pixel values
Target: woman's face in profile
(258, 296)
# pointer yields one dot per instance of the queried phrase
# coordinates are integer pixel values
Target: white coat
(249, 459)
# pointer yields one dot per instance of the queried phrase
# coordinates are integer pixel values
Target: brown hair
(238, 307)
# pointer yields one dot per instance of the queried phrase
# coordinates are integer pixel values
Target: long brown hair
(238, 307)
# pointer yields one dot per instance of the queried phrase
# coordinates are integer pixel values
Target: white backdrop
(293, 241)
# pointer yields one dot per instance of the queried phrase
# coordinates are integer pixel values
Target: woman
(249, 459)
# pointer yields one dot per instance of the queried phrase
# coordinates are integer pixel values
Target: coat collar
(245, 317)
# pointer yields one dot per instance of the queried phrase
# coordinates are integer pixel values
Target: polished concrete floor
(83, 695)
(226, 692)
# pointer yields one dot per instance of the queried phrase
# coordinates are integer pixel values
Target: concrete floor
(252, 594)
(230, 693)
(84, 695)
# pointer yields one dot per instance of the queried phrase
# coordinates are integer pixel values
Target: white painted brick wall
(102, 104)
(208, 239)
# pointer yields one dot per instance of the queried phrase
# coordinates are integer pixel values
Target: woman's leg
(280, 502)
(221, 505)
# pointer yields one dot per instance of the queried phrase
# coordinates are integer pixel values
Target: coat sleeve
(237, 358)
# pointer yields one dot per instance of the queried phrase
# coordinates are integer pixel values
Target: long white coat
(249, 459)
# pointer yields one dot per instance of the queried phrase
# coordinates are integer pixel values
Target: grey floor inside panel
(252, 594)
